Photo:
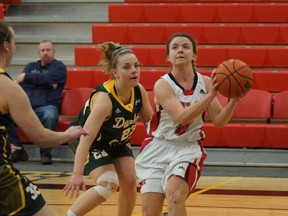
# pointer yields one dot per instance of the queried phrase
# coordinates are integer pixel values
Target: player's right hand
(75, 132)
(75, 184)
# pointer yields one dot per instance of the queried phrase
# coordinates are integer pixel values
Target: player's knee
(175, 198)
(107, 184)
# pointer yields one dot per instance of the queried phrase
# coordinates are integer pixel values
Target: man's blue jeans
(48, 116)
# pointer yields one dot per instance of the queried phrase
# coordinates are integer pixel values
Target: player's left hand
(75, 184)
(15, 148)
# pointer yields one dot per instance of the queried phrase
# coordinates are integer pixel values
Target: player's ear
(114, 73)
(195, 56)
(168, 58)
(6, 45)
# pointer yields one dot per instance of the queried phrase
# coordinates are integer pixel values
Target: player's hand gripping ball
(234, 78)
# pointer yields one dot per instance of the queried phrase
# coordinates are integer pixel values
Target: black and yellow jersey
(5, 120)
(117, 129)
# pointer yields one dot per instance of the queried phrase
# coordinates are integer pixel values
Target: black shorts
(18, 195)
(104, 156)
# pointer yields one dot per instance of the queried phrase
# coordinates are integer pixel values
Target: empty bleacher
(273, 81)
(208, 55)
(210, 12)
(219, 33)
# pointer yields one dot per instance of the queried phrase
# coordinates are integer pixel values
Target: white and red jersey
(164, 127)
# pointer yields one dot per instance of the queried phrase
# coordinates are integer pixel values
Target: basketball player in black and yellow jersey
(109, 118)
(18, 195)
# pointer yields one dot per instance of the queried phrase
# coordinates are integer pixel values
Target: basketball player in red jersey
(170, 163)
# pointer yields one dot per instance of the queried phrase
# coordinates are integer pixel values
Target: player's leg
(182, 176)
(152, 204)
(177, 191)
(21, 196)
(44, 211)
(101, 169)
(127, 180)
(106, 184)
(150, 168)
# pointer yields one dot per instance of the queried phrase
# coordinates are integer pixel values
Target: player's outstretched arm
(17, 102)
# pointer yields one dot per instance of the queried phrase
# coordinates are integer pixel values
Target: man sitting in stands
(43, 81)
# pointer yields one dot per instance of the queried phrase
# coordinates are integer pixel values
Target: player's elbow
(182, 121)
(219, 124)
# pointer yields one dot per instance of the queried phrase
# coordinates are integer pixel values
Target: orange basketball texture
(234, 78)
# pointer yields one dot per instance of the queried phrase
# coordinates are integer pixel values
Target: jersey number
(127, 132)
(100, 154)
(33, 190)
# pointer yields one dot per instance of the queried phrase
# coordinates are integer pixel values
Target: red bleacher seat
(150, 55)
(91, 77)
(11, 1)
(221, 34)
(72, 102)
(277, 56)
(278, 129)
(245, 135)
(235, 12)
(204, 1)
(208, 56)
(85, 77)
(276, 135)
(214, 137)
(248, 53)
(119, 12)
(87, 55)
(283, 34)
(199, 12)
(149, 77)
(151, 99)
(139, 134)
(211, 56)
(151, 33)
(223, 101)
(194, 29)
(2, 8)
(256, 105)
(270, 80)
(109, 32)
(162, 12)
(22, 136)
(271, 12)
(79, 78)
(280, 109)
(262, 33)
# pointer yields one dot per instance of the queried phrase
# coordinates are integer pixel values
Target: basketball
(234, 78)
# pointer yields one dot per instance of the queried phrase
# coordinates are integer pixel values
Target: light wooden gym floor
(214, 196)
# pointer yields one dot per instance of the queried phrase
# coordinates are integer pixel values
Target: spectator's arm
(57, 74)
